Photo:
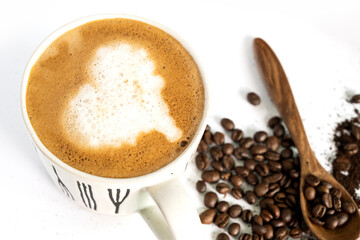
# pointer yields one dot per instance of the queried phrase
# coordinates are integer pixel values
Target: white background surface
(318, 44)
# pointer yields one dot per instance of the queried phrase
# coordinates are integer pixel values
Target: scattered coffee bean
(272, 156)
(286, 215)
(210, 199)
(208, 137)
(222, 236)
(258, 149)
(241, 153)
(269, 234)
(355, 99)
(253, 98)
(274, 121)
(321, 189)
(286, 153)
(223, 188)
(225, 176)
(274, 210)
(234, 211)
(222, 207)
(237, 193)
(200, 186)
(203, 147)
(312, 180)
(242, 171)
(281, 233)
(245, 236)
(250, 164)
(310, 193)
(246, 215)
(260, 136)
(342, 218)
(236, 181)
(210, 176)
(216, 153)
(228, 162)
(319, 211)
(222, 220)
(327, 200)
(348, 207)
(261, 189)
(228, 148)
(246, 142)
(237, 135)
(218, 166)
(257, 220)
(219, 138)
(262, 169)
(207, 217)
(252, 179)
(296, 233)
(279, 130)
(331, 222)
(250, 197)
(234, 229)
(202, 161)
(227, 124)
(266, 215)
(272, 143)
(258, 229)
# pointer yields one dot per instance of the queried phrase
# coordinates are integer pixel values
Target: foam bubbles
(122, 101)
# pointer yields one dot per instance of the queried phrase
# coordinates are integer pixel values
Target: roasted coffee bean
(234, 211)
(228, 148)
(285, 181)
(287, 165)
(260, 136)
(228, 162)
(312, 180)
(286, 153)
(250, 197)
(273, 189)
(222, 220)
(237, 135)
(326, 184)
(246, 215)
(236, 181)
(274, 166)
(257, 220)
(210, 199)
(222, 188)
(203, 147)
(337, 204)
(266, 215)
(274, 121)
(269, 232)
(282, 205)
(290, 200)
(291, 191)
(227, 124)
(258, 149)
(261, 189)
(242, 171)
(273, 178)
(207, 128)
(287, 142)
(258, 229)
(342, 218)
(327, 200)
(335, 193)
(202, 161)
(234, 229)
(225, 175)
(265, 202)
(318, 211)
(330, 212)
(208, 137)
(331, 222)
(355, 99)
(218, 166)
(241, 153)
(317, 221)
(219, 138)
(245, 236)
(250, 164)
(222, 236)
(342, 163)
(272, 143)
(281, 233)
(262, 169)
(351, 149)
(253, 98)
(274, 210)
(321, 189)
(258, 157)
(310, 193)
(286, 215)
(252, 179)
(355, 131)
(348, 207)
(294, 174)
(246, 142)
(272, 156)
(296, 233)
(280, 197)
(279, 130)
(216, 153)
(257, 237)
(237, 193)
(222, 206)
(207, 216)
(278, 223)
(210, 176)
(200, 186)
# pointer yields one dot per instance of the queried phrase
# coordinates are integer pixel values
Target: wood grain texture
(278, 87)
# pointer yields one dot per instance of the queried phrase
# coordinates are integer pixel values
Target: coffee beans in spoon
(326, 205)
(260, 170)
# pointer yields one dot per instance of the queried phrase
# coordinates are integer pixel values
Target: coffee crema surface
(115, 98)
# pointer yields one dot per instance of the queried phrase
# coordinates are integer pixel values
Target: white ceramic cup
(126, 195)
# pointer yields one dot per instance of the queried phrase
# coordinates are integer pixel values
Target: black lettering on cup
(117, 202)
(62, 185)
(88, 194)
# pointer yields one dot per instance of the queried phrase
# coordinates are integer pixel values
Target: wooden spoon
(279, 89)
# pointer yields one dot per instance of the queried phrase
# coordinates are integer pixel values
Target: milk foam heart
(122, 101)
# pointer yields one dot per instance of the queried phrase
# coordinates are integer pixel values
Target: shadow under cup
(124, 195)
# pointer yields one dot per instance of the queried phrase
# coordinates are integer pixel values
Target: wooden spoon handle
(279, 89)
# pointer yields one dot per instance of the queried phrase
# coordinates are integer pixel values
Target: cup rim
(150, 178)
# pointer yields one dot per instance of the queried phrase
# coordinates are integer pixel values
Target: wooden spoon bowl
(279, 90)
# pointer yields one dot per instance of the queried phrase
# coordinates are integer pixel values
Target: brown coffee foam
(63, 68)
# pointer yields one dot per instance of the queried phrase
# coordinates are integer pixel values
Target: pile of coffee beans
(268, 165)
(326, 206)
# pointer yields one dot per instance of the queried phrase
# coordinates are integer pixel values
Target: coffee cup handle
(177, 208)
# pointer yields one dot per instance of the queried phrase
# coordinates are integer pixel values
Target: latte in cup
(115, 98)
